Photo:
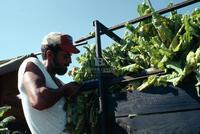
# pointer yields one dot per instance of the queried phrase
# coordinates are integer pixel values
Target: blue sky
(24, 22)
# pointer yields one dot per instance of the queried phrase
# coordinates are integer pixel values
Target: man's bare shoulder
(33, 70)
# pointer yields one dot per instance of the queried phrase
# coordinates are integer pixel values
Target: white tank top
(48, 121)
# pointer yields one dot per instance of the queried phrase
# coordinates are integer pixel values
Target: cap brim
(67, 44)
(70, 48)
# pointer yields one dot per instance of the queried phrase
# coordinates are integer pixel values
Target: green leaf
(176, 66)
(143, 9)
(4, 109)
(197, 55)
(131, 68)
(4, 131)
(175, 45)
(6, 120)
(150, 81)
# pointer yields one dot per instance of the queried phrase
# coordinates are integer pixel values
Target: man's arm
(40, 96)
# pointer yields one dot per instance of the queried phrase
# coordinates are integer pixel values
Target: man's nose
(69, 60)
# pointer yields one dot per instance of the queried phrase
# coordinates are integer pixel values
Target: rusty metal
(93, 84)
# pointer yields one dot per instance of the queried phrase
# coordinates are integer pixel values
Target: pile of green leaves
(170, 43)
(5, 120)
(82, 112)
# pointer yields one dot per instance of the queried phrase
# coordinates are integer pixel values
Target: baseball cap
(64, 41)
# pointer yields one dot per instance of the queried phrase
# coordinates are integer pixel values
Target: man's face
(61, 61)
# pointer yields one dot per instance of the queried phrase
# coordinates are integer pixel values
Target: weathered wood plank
(172, 123)
(155, 100)
(159, 99)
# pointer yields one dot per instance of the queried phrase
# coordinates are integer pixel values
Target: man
(41, 92)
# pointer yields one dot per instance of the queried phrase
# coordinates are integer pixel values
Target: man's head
(57, 48)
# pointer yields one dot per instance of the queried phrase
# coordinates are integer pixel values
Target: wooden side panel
(157, 100)
(8, 94)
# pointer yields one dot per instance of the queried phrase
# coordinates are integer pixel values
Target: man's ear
(49, 54)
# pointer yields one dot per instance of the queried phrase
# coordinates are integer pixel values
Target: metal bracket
(112, 35)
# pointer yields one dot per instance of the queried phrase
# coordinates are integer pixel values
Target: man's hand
(71, 89)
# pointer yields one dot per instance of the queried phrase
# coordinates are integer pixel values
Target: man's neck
(52, 74)
(49, 69)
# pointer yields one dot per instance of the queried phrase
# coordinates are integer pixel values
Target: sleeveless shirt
(48, 121)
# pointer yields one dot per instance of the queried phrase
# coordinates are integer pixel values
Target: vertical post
(102, 103)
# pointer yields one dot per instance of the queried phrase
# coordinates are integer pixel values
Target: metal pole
(99, 65)
(162, 11)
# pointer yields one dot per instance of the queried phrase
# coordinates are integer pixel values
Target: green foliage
(82, 113)
(87, 63)
(5, 120)
(168, 43)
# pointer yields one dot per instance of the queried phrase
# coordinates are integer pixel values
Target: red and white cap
(64, 41)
